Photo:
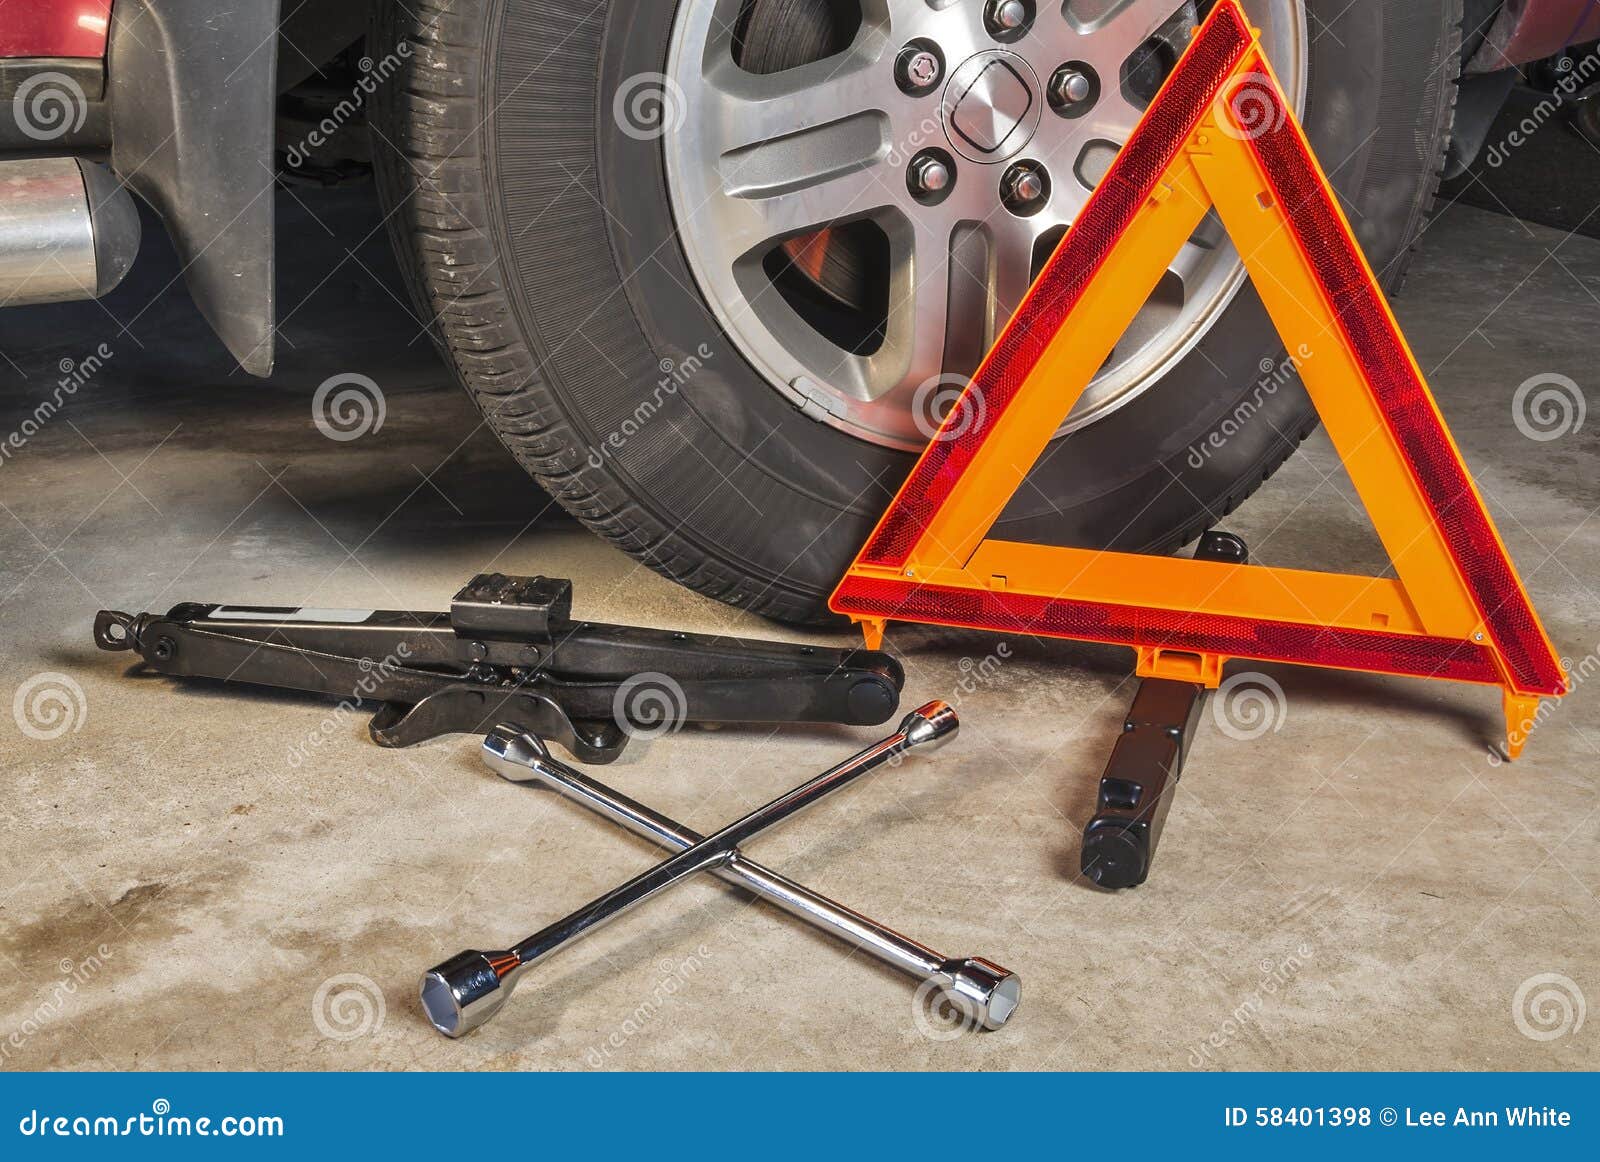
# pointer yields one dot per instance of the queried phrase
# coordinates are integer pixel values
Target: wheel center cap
(991, 106)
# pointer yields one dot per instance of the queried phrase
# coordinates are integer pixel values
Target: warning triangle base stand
(1147, 761)
(1220, 135)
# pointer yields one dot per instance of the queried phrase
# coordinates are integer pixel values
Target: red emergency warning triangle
(1220, 134)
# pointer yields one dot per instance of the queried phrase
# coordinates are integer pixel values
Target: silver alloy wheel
(753, 160)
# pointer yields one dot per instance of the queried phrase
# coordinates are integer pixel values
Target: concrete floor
(1361, 887)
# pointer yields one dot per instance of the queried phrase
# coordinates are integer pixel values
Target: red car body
(1530, 30)
(54, 28)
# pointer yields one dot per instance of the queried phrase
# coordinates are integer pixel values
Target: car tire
(536, 234)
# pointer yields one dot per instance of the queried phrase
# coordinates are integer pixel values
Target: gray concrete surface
(1362, 886)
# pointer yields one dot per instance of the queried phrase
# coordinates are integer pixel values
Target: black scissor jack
(509, 651)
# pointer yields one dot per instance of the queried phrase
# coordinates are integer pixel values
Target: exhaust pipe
(68, 231)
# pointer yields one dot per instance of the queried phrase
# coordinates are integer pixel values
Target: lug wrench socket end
(466, 990)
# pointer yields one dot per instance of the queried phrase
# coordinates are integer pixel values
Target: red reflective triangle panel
(1514, 651)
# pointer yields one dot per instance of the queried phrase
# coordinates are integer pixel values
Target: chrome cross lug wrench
(980, 989)
(469, 988)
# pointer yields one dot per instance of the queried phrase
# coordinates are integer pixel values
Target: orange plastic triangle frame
(1220, 134)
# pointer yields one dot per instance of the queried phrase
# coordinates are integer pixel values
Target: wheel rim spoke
(919, 305)
(746, 109)
(1012, 267)
(754, 219)
(797, 150)
(1110, 31)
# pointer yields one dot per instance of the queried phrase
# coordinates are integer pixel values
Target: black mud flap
(193, 97)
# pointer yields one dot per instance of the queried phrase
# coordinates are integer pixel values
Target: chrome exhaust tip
(68, 230)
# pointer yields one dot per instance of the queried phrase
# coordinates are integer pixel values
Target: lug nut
(1069, 87)
(1025, 188)
(1073, 89)
(917, 69)
(1006, 15)
(929, 175)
